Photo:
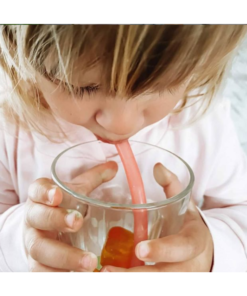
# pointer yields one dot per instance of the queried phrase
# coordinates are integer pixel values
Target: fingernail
(72, 217)
(89, 262)
(162, 175)
(51, 194)
(107, 174)
(143, 250)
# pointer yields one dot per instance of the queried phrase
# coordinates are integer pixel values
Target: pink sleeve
(12, 253)
(225, 202)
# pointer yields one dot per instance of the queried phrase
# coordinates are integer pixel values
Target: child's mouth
(109, 141)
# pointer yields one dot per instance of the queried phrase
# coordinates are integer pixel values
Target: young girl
(68, 84)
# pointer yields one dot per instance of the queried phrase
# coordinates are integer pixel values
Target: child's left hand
(191, 250)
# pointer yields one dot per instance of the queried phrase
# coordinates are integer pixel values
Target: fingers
(182, 252)
(186, 245)
(91, 179)
(44, 195)
(167, 180)
(178, 252)
(43, 217)
(55, 254)
(43, 191)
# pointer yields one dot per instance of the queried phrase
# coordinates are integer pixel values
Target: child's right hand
(44, 220)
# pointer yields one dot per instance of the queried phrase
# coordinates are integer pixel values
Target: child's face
(109, 118)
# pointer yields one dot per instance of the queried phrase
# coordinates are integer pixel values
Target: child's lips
(109, 141)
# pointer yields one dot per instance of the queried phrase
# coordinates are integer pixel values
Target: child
(69, 84)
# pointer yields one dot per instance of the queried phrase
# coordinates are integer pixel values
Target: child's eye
(80, 91)
(71, 89)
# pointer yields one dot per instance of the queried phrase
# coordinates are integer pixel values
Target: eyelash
(77, 91)
(80, 91)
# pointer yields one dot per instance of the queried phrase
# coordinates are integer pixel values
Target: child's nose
(121, 120)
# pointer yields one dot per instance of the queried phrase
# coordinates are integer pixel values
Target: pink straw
(137, 193)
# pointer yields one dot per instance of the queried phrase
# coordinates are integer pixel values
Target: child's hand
(189, 250)
(44, 219)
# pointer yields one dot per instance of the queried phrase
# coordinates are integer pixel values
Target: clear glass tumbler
(110, 204)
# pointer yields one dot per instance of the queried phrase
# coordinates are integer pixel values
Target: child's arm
(28, 231)
(20, 224)
(225, 203)
(12, 253)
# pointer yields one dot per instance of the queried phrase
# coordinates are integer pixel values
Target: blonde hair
(135, 59)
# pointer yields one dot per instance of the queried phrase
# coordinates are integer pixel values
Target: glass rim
(147, 206)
